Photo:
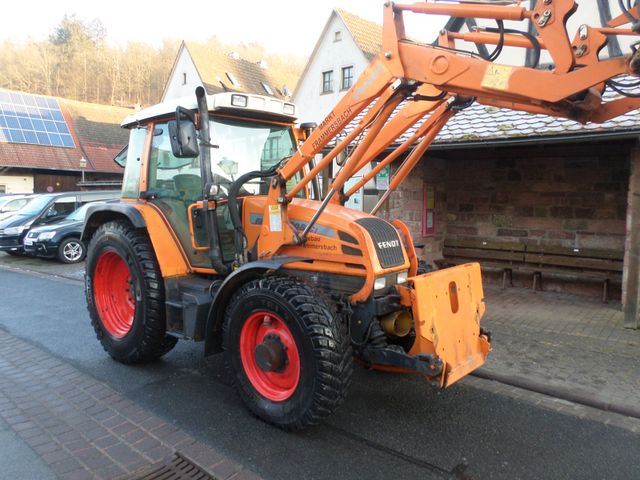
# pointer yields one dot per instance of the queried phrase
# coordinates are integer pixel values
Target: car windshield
(14, 204)
(80, 213)
(35, 205)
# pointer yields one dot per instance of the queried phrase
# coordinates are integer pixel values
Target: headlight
(402, 277)
(379, 283)
(15, 230)
(239, 100)
(46, 235)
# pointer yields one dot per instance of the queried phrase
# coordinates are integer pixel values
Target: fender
(99, 214)
(249, 271)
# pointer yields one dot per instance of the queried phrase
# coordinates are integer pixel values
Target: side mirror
(182, 134)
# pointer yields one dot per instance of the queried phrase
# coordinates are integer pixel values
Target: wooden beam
(631, 270)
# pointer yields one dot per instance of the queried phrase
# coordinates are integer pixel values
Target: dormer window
(234, 81)
(337, 36)
(266, 88)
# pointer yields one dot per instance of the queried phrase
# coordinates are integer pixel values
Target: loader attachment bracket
(423, 363)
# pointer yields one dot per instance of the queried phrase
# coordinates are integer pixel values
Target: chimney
(234, 55)
(262, 63)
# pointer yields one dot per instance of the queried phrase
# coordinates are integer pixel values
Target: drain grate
(177, 468)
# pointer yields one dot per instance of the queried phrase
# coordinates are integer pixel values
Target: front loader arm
(437, 77)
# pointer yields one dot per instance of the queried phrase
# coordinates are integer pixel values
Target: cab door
(173, 184)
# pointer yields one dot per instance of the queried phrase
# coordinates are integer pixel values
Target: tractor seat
(188, 186)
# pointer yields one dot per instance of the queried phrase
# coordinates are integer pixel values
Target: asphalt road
(391, 426)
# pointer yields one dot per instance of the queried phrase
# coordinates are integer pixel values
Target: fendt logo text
(391, 244)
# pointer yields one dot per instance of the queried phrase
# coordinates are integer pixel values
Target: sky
(280, 26)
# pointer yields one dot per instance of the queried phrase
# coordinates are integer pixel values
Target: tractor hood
(340, 231)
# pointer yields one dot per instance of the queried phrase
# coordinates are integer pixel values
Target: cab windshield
(242, 146)
(245, 146)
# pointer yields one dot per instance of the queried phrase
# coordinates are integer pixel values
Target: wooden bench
(605, 265)
(501, 256)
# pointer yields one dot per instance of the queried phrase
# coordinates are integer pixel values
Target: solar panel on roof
(33, 119)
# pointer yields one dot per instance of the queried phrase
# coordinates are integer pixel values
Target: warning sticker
(275, 220)
(497, 77)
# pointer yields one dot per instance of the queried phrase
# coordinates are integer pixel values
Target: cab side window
(131, 180)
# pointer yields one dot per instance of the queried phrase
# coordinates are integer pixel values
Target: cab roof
(258, 105)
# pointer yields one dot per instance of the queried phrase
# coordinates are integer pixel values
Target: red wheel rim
(274, 385)
(113, 294)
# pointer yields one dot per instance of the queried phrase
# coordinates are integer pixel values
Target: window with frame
(233, 79)
(347, 77)
(184, 79)
(267, 88)
(3, 188)
(327, 81)
(337, 36)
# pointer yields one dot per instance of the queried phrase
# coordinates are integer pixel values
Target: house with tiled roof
(345, 47)
(55, 144)
(224, 71)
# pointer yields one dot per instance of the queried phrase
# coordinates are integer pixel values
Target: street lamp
(83, 165)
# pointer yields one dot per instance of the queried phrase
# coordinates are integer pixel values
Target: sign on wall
(428, 210)
(382, 178)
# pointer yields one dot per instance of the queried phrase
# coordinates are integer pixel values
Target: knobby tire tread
(154, 343)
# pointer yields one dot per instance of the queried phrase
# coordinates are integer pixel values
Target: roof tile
(367, 34)
(213, 66)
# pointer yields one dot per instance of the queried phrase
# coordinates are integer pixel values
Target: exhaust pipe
(397, 324)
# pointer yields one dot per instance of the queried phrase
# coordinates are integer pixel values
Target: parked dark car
(59, 239)
(43, 210)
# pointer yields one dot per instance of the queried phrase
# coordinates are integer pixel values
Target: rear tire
(312, 372)
(125, 294)
(71, 250)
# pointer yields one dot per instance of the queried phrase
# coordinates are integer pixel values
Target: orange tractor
(223, 234)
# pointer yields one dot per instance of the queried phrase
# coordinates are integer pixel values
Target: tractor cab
(248, 133)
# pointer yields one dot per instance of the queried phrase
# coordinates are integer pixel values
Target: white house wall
(312, 104)
(175, 85)
(16, 183)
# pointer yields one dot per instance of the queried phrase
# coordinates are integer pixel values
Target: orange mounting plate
(447, 307)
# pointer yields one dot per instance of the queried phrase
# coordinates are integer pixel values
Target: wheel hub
(271, 354)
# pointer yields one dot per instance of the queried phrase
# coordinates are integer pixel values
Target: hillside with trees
(77, 62)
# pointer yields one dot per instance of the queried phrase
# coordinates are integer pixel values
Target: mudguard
(96, 215)
(213, 340)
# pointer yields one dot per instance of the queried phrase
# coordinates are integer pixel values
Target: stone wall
(573, 196)
(569, 195)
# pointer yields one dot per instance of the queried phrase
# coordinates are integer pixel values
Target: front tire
(71, 250)
(289, 356)
(125, 294)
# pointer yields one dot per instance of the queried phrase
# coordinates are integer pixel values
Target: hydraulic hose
(240, 238)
